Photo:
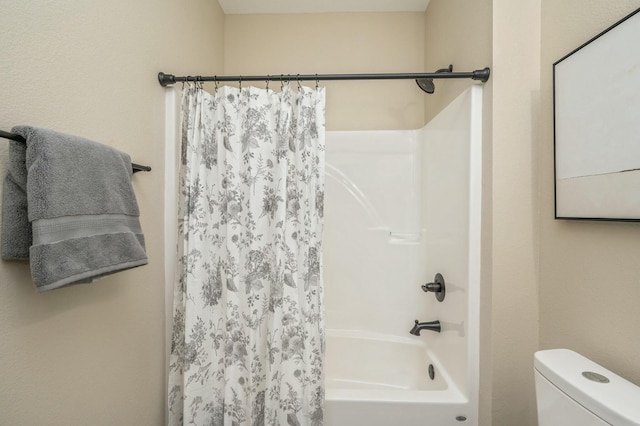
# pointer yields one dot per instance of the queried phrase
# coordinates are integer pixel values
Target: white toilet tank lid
(616, 402)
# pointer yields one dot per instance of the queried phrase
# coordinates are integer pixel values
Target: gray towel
(82, 215)
(16, 234)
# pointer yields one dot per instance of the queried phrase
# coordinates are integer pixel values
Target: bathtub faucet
(430, 325)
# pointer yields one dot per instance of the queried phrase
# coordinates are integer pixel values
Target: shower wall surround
(401, 206)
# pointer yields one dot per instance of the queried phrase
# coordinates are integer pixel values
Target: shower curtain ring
(215, 82)
(268, 79)
(317, 82)
(281, 81)
(298, 81)
(240, 86)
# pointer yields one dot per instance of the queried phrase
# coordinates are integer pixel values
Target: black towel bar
(18, 138)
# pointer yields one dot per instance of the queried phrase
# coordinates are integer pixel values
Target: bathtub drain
(432, 372)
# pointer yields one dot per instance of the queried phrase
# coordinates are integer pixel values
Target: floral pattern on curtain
(248, 337)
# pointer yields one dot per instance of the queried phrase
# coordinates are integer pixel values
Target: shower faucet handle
(434, 287)
(437, 287)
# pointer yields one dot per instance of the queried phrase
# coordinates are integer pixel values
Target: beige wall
(94, 354)
(589, 271)
(458, 33)
(516, 87)
(338, 43)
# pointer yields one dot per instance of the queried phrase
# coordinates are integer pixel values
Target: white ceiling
(321, 6)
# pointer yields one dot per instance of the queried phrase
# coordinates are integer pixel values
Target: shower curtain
(248, 339)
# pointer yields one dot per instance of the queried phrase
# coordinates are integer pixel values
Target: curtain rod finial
(482, 75)
(166, 79)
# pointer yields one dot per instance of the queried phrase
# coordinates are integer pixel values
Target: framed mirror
(597, 126)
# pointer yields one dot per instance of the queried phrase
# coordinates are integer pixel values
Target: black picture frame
(596, 105)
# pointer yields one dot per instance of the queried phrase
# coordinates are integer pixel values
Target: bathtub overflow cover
(595, 377)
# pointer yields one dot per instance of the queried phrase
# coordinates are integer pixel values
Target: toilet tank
(572, 390)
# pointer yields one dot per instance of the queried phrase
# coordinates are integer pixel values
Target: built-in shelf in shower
(405, 237)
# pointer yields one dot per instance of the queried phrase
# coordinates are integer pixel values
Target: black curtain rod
(18, 138)
(482, 75)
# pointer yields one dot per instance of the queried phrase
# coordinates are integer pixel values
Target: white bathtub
(381, 380)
